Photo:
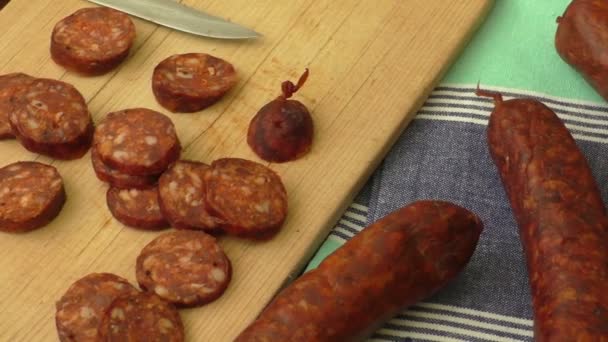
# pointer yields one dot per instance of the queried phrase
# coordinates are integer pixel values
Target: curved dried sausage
(137, 141)
(192, 82)
(182, 197)
(82, 306)
(186, 268)
(248, 196)
(137, 208)
(141, 317)
(582, 41)
(561, 217)
(92, 41)
(119, 179)
(31, 195)
(9, 85)
(51, 117)
(283, 129)
(401, 259)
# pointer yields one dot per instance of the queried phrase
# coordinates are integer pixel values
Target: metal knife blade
(180, 17)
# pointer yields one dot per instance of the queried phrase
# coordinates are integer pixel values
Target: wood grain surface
(372, 64)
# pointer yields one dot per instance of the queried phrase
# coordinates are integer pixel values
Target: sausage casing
(399, 260)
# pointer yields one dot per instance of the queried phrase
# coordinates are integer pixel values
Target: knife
(183, 18)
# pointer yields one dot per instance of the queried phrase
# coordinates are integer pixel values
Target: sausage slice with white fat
(31, 195)
(187, 268)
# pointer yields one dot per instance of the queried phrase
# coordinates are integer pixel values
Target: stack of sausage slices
(137, 152)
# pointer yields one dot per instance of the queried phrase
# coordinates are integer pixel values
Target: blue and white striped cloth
(443, 155)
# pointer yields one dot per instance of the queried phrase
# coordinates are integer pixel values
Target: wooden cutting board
(372, 64)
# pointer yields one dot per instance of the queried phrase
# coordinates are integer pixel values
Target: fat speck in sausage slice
(399, 260)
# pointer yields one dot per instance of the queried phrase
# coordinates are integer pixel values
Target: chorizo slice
(137, 208)
(51, 117)
(83, 305)
(119, 179)
(401, 259)
(192, 82)
(92, 41)
(137, 141)
(186, 268)
(141, 317)
(561, 217)
(182, 197)
(31, 195)
(248, 196)
(9, 85)
(283, 129)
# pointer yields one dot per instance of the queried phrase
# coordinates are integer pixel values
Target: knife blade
(180, 17)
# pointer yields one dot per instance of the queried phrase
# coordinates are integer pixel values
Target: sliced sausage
(141, 317)
(9, 85)
(81, 308)
(92, 41)
(137, 141)
(283, 129)
(186, 268)
(191, 82)
(399, 260)
(51, 117)
(582, 41)
(561, 217)
(137, 208)
(119, 179)
(248, 196)
(182, 197)
(31, 195)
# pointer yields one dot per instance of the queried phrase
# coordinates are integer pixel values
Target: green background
(515, 48)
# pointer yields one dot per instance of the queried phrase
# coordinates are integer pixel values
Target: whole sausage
(561, 217)
(582, 41)
(399, 260)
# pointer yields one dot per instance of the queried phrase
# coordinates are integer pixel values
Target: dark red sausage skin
(283, 129)
(401, 259)
(561, 217)
(582, 41)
